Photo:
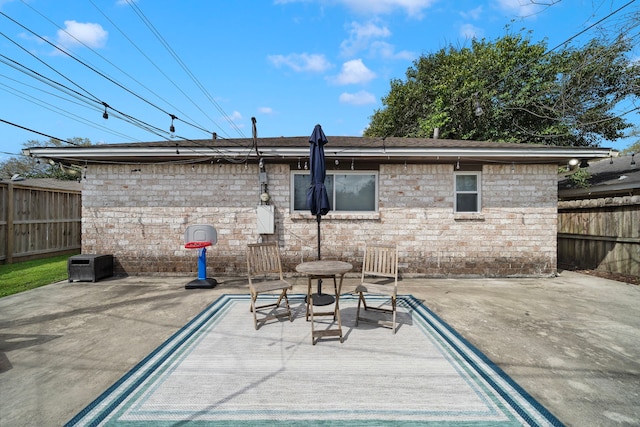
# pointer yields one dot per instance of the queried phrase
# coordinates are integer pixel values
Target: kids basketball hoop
(197, 245)
(199, 236)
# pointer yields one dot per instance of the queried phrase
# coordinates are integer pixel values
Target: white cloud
(77, 33)
(301, 62)
(388, 51)
(413, 8)
(473, 14)
(358, 98)
(367, 37)
(265, 110)
(519, 7)
(469, 31)
(354, 72)
(360, 35)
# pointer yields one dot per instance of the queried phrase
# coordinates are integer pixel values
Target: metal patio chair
(264, 271)
(379, 277)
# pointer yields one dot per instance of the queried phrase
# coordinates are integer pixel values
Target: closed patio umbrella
(317, 198)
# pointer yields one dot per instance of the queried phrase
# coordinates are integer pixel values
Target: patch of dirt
(634, 280)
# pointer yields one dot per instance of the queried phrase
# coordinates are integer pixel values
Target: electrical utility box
(266, 219)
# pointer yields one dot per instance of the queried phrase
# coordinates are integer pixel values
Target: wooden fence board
(37, 222)
(600, 234)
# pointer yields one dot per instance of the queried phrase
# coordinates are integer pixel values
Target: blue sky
(215, 64)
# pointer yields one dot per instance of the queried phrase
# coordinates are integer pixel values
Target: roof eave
(526, 154)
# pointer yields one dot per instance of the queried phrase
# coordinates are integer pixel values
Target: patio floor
(572, 342)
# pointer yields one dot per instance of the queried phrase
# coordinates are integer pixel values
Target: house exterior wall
(139, 214)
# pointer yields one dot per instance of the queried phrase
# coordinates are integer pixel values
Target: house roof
(616, 176)
(291, 148)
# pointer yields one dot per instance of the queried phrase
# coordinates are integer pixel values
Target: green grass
(22, 276)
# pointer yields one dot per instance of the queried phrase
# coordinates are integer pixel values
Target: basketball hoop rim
(197, 245)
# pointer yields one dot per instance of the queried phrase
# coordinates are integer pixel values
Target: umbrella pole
(319, 298)
(318, 219)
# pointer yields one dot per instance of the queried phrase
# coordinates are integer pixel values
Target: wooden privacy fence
(600, 234)
(36, 222)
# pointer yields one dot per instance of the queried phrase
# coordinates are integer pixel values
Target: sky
(211, 66)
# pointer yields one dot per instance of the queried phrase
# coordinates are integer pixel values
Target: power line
(95, 71)
(118, 68)
(158, 69)
(61, 111)
(166, 45)
(39, 133)
(529, 63)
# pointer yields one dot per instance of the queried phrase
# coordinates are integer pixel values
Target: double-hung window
(348, 191)
(467, 192)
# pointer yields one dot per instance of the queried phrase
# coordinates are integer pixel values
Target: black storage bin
(89, 267)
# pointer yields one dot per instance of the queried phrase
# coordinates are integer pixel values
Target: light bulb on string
(105, 115)
(172, 128)
(477, 108)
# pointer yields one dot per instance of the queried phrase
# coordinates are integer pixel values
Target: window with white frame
(467, 192)
(348, 191)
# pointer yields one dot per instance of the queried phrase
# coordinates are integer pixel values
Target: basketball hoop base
(207, 283)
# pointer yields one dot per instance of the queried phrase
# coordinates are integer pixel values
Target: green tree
(28, 167)
(635, 147)
(523, 92)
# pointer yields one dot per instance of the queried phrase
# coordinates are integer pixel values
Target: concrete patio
(572, 342)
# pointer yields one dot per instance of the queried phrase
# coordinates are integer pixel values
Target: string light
(458, 163)
(172, 128)
(299, 163)
(352, 166)
(633, 161)
(105, 115)
(478, 109)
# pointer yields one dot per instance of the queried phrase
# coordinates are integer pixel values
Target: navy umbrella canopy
(317, 198)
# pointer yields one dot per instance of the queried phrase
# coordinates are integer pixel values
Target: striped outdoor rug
(218, 370)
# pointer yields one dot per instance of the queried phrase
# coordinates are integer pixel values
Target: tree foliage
(28, 167)
(527, 94)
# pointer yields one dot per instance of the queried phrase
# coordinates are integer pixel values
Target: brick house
(455, 208)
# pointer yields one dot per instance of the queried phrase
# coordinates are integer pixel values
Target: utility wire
(159, 70)
(49, 66)
(118, 68)
(39, 133)
(62, 112)
(529, 63)
(88, 66)
(149, 25)
(34, 74)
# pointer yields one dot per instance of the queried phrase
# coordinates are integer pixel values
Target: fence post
(10, 233)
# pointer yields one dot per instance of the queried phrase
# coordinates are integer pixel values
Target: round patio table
(322, 270)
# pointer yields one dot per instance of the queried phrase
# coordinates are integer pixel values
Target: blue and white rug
(218, 370)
